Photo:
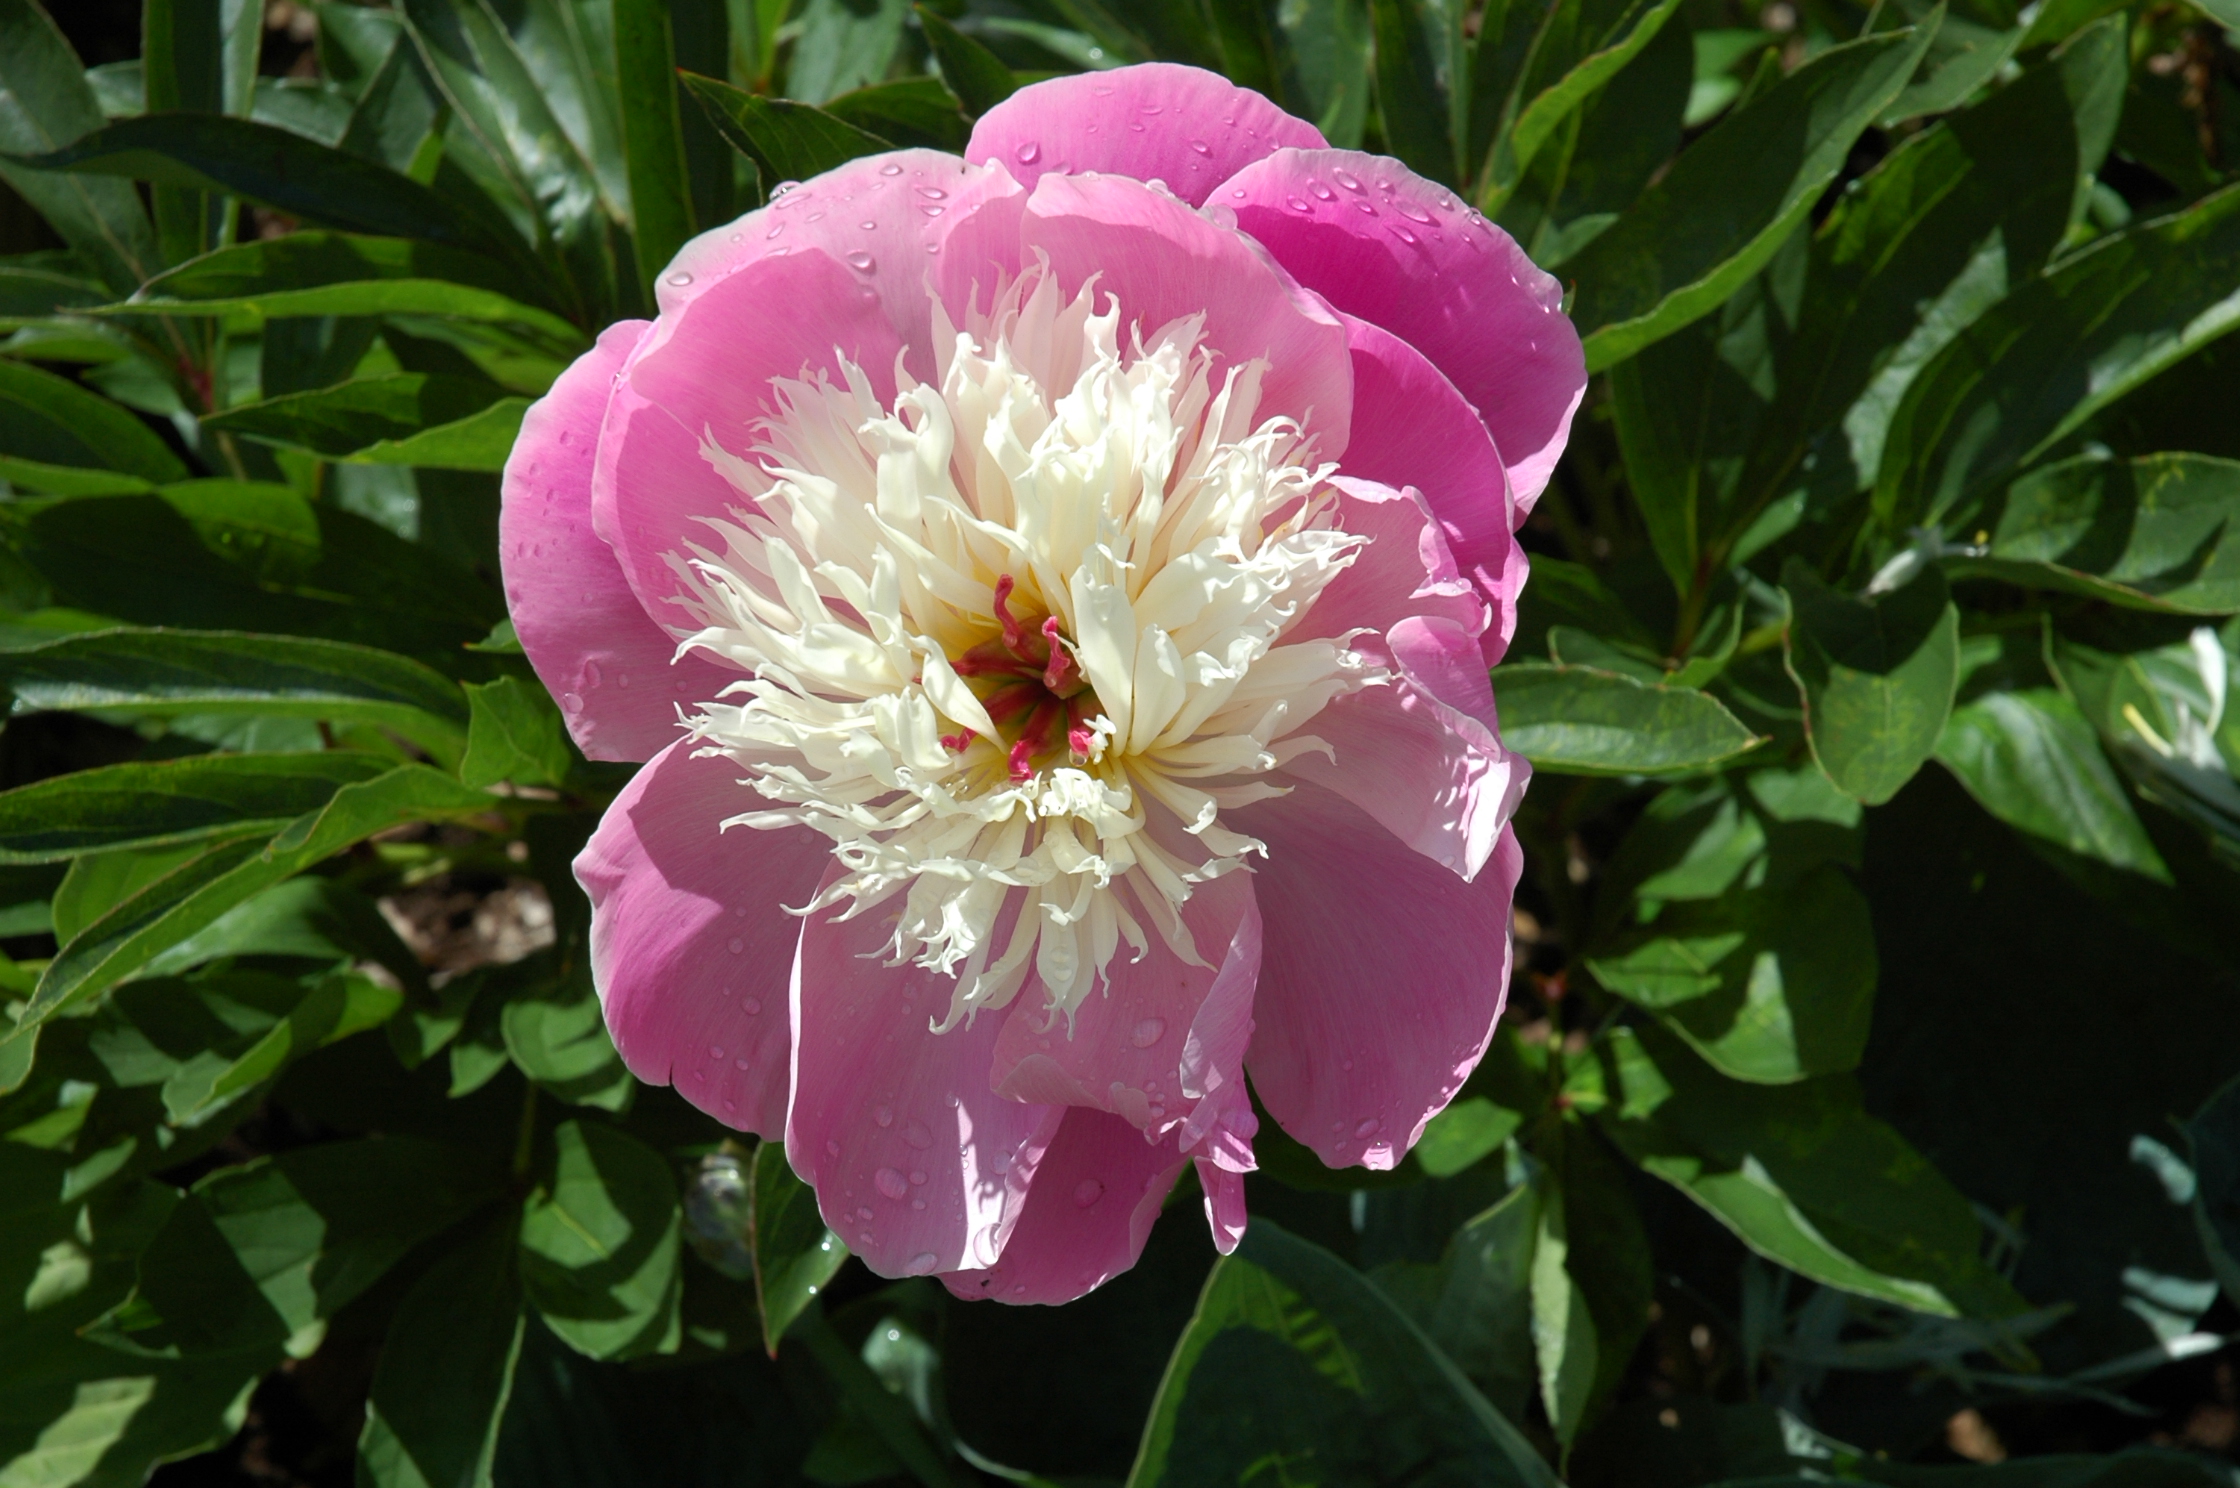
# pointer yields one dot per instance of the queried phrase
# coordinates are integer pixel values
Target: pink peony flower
(1053, 591)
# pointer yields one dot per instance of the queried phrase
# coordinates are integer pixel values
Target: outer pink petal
(1378, 241)
(586, 634)
(1164, 262)
(918, 1165)
(1411, 428)
(690, 946)
(884, 216)
(837, 267)
(1382, 979)
(1095, 1197)
(706, 373)
(1155, 122)
(1225, 1210)
(1162, 1045)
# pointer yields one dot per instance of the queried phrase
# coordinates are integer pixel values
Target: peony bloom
(1053, 592)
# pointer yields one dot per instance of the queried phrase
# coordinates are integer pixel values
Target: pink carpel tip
(1014, 634)
(1022, 768)
(1054, 675)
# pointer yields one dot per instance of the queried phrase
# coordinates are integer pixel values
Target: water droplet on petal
(865, 1212)
(1201, 147)
(1412, 212)
(890, 170)
(831, 1149)
(1365, 209)
(1367, 1127)
(1087, 1192)
(917, 1203)
(680, 279)
(752, 1006)
(890, 1183)
(1298, 204)
(715, 1051)
(861, 262)
(1028, 152)
(917, 1175)
(775, 229)
(737, 945)
(868, 226)
(1402, 233)
(738, 1064)
(1147, 1032)
(917, 1135)
(931, 211)
(884, 1115)
(1345, 180)
(1321, 192)
(923, 1262)
(933, 193)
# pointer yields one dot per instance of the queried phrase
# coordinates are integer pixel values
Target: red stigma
(1022, 767)
(1014, 634)
(1054, 675)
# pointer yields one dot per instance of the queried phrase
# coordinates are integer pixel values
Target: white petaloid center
(987, 628)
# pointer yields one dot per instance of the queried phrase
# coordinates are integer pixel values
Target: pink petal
(1095, 1197)
(706, 373)
(1411, 428)
(836, 267)
(1164, 262)
(918, 1165)
(1225, 1211)
(691, 947)
(1154, 122)
(1405, 568)
(1382, 978)
(884, 216)
(1162, 1045)
(1378, 241)
(586, 634)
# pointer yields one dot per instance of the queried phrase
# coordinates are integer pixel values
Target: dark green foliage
(1871, 1055)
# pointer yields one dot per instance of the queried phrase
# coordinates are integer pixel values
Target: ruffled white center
(986, 628)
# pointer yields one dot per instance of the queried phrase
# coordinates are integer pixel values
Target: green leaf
(843, 45)
(170, 802)
(1575, 720)
(1804, 1177)
(323, 273)
(599, 1245)
(1476, 1303)
(1877, 676)
(236, 555)
(516, 735)
(2032, 760)
(1733, 197)
(48, 104)
(270, 166)
(262, 1253)
(167, 673)
(977, 76)
(1422, 64)
(318, 918)
(2054, 352)
(1580, 49)
(1769, 984)
(556, 1036)
(52, 420)
(1329, 55)
(794, 1254)
(916, 112)
(360, 419)
(2214, 1136)
(788, 141)
(1295, 1359)
(652, 134)
(446, 1369)
(222, 874)
(1597, 158)
(2149, 533)
(1467, 1131)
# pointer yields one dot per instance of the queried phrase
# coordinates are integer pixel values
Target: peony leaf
(2214, 1136)
(2032, 760)
(977, 76)
(1804, 1177)
(2157, 533)
(165, 673)
(516, 735)
(794, 1254)
(1421, 55)
(170, 802)
(787, 141)
(1576, 720)
(54, 421)
(551, 1029)
(1579, 49)
(599, 1245)
(915, 112)
(1877, 676)
(2053, 353)
(447, 1367)
(377, 417)
(1294, 1355)
(1733, 198)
